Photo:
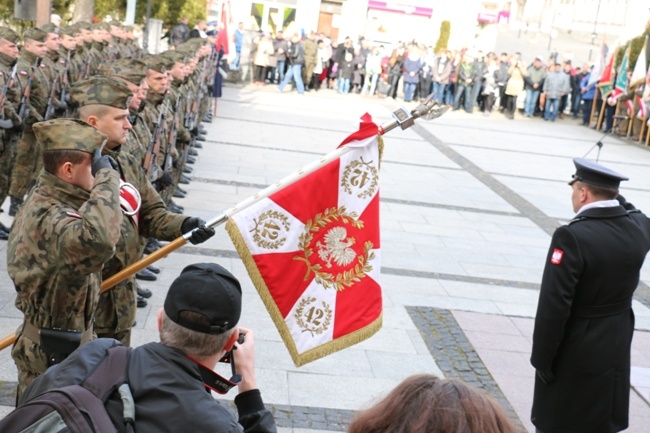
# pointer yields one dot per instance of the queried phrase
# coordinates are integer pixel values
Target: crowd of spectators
(462, 79)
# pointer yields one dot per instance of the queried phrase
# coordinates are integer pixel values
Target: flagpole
(428, 110)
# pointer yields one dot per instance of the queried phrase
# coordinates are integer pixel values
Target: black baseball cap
(207, 289)
(595, 174)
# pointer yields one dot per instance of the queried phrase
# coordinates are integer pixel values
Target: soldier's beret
(158, 64)
(68, 134)
(101, 90)
(595, 174)
(69, 31)
(10, 35)
(35, 34)
(50, 28)
(129, 69)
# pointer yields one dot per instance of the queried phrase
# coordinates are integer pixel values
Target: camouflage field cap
(68, 134)
(131, 70)
(102, 90)
(35, 34)
(69, 31)
(10, 35)
(85, 25)
(175, 56)
(50, 28)
(158, 64)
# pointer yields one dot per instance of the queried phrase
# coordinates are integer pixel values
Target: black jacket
(168, 392)
(584, 322)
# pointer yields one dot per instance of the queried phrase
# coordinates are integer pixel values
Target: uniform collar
(72, 195)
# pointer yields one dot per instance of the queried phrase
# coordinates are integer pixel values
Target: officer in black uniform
(584, 322)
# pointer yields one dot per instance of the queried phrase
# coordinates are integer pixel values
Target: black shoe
(198, 145)
(145, 275)
(187, 170)
(3, 235)
(200, 138)
(181, 190)
(192, 151)
(174, 209)
(14, 206)
(207, 119)
(145, 293)
(178, 194)
(185, 180)
(154, 269)
(173, 203)
(152, 245)
(5, 228)
(202, 130)
(141, 302)
(190, 160)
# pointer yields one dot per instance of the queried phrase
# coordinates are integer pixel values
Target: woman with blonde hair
(424, 403)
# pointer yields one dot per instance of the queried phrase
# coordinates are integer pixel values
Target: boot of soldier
(198, 145)
(152, 245)
(190, 160)
(141, 302)
(178, 194)
(187, 170)
(192, 152)
(184, 179)
(14, 206)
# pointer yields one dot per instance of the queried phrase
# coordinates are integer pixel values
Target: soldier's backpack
(78, 408)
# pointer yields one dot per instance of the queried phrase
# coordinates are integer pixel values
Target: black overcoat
(584, 322)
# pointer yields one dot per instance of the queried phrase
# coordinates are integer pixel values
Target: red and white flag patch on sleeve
(556, 257)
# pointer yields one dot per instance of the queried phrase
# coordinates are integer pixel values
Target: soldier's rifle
(65, 82)
(154, 144)
(8, 84)
(23, 110)
(428, 110)
(49, 110)
(188, 121)
(173, 133)
(87, 65)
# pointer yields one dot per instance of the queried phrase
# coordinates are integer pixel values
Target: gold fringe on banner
(259, 283)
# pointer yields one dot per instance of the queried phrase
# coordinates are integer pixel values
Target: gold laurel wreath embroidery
(259, 240)
(346, 278)
(304, 326)
(346, 174)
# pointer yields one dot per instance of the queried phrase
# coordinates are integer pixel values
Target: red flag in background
(312, 250)
(222, 36)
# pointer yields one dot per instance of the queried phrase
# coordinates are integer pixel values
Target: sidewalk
(468, 206)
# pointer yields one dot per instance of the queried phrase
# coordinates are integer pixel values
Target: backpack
(78, 408)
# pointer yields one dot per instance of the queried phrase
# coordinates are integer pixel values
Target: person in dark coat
(584, 322)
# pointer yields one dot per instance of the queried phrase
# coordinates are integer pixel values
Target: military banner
(312, 250)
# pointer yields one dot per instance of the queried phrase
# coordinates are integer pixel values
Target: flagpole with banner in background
(361, 166)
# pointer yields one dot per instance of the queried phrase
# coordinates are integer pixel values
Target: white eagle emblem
(337, 247)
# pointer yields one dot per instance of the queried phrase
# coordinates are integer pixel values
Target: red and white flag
(312, 249)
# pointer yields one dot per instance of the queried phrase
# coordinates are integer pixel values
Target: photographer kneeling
(170, 380)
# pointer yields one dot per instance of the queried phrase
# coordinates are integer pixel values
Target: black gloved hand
(100, 162)
(202, 232)
(166, 180)
(546, 376)
(6, 124)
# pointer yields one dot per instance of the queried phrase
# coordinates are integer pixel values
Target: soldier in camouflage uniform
(104, 104)
(30, 65)
(10, 124)
(68, 229)
(67, 53)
